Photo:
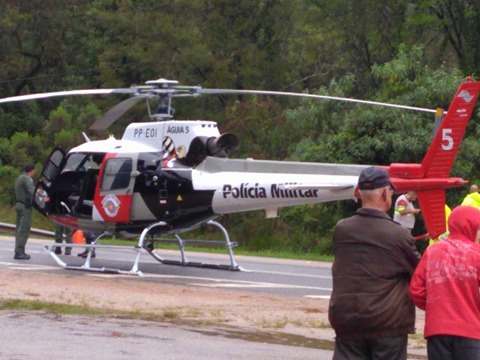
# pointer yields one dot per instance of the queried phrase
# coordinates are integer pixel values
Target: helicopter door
(44, 192)
(117, 179)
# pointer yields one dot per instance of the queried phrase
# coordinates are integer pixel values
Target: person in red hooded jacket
(446, 285)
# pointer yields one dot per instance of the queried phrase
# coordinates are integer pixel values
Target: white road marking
(33, 268)
(318, 297)
(109, 275)
(290, 274)
(226, 285)
(220, 283)
(17, 266)
(259, 285)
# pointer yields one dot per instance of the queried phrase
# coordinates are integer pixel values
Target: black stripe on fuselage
(171, 198)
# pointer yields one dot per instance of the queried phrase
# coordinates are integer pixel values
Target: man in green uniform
(24, 188)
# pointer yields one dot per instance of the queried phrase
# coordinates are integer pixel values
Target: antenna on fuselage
(439, 115)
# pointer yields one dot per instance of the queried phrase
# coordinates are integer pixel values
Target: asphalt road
(260, 275)
(33, 336)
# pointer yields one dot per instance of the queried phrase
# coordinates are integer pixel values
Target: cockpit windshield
(83, 162)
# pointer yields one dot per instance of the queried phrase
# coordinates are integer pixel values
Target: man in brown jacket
(370, 307)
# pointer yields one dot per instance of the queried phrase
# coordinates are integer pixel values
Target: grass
(418, 340)
(169, 314)
(54, 308)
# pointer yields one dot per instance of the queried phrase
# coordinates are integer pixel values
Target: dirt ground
(247, 310)
(307, 318)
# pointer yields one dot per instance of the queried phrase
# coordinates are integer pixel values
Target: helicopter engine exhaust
(203, 146)
(222, 145)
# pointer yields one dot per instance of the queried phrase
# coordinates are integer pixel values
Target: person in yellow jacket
(473, 198)
(446, 233)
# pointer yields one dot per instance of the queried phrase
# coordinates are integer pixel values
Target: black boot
(68, 251)
(149, 246)
(58, 251)
(21, 256)
(83, 253)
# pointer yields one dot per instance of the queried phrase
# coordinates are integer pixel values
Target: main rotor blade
(279, 93)
(67, 93)
(114, 113)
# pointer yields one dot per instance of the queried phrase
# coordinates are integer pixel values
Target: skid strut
(87, 264)
(148, 245)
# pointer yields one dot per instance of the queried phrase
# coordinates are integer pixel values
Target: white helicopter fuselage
(178, 172)
(246, 185)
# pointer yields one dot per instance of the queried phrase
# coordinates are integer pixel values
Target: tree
(40, 41)
(459, 22)
(374, 135)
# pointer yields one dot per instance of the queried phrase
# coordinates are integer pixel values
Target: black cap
(29, 167)
(373, 178)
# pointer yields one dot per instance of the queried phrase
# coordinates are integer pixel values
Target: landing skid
(87, 264)
(147, 245)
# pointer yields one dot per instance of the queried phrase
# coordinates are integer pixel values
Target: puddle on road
(277, 338)
(268, 337)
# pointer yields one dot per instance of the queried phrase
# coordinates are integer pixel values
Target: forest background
(406, 52)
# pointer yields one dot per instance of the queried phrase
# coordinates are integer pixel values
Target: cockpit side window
(149, 161)
(117, 174)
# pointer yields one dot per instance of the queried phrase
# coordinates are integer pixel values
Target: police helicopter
(171, 176)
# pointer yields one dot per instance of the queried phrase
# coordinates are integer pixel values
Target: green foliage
(22, 118)
(26, 148)
(6, 152)
(268, 138)
(376, 135)
(396, 51)
(58, 119)
(8, 175)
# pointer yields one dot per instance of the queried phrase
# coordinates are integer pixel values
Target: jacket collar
(373, 213)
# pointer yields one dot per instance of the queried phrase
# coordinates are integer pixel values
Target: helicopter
(169, 177)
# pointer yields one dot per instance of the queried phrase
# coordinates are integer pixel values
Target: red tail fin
(430, 178)
(440, 156)
(432, 203)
